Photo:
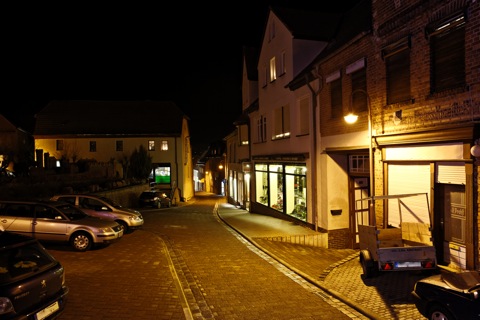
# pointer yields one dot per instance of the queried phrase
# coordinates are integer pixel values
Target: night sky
(187, 53)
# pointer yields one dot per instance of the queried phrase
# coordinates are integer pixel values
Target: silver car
(105, 208)
(57, 221)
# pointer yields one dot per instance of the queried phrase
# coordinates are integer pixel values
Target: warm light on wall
(475, 150)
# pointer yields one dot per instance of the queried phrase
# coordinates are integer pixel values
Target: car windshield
(72, 212)
(111, 202)
(463, 280)
(17, 262)
(147, 195)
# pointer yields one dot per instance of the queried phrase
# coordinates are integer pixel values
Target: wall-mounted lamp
(351, 118)
(475, 150)
(220, 166)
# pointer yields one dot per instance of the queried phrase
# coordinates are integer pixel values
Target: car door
(18, 218)
(96, 208)
(49, 224)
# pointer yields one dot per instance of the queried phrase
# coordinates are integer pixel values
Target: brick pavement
(337, 271)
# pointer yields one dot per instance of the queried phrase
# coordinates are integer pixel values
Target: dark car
(155, 198)
(32, 281)
(449, 296)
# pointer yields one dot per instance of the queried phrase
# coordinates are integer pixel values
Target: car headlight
(106, 230)
(6, 305)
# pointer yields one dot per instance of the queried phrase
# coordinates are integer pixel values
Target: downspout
(314, 152)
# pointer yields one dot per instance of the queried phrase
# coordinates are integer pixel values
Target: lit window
(151, 145)
(273, 70)
(164, 145)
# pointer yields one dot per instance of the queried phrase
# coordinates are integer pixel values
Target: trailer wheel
(368, 264)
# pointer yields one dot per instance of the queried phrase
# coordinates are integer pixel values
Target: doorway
(449, 223)
(359, 210)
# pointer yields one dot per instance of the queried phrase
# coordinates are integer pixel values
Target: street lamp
(351, 117)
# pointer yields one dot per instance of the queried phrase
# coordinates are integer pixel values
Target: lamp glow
(351, 118)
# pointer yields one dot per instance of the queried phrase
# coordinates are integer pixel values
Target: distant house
(109, 131)
(16, 145)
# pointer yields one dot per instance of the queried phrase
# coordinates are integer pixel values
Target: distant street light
(351, 117)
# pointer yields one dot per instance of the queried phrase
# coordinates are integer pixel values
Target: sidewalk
(337, 271)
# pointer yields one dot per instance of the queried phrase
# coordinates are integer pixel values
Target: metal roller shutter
(409, 178)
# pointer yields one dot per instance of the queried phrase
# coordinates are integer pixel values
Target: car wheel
(368, 264)
(124, 225)
(81, 241)
(438, 312)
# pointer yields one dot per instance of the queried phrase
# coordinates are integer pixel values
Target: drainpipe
(314, 149)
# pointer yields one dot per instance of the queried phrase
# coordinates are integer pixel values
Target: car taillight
(387, 266)
(428, 264)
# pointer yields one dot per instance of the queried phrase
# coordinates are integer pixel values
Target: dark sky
(188, 53)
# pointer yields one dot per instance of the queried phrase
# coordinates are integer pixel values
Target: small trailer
(406, 246)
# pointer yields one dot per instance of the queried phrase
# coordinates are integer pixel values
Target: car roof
(8, 239)
(47, 202)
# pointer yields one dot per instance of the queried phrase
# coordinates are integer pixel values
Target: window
(119, 145)
(271, 31)
(261, 129)
(93, 146)
(265, 76)
(164, 145)
(359, 164)
(336, 98)
(282, 187)
(273, 70)
(447, 54)
(304, 118)
(283, 63)
(59, 145)
(243, 135)
(397, 63)
(151, 145)
(282, 123)
(359, 85)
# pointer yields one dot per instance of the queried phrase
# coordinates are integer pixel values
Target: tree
(140, 163)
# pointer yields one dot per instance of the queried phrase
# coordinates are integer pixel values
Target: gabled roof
(86, 117)
(356, 21)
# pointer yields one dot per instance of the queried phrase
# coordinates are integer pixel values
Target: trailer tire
(368, 264)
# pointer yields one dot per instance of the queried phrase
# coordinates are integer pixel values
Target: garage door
(406, 179)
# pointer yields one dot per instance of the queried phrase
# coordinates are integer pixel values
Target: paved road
(187, 264)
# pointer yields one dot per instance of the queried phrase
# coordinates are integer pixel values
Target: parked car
(32, 281)
(155, 198)
(57, 221)
(106, 208)
(449, 295)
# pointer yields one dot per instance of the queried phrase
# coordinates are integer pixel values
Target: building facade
(412, 78)
(110, 131)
